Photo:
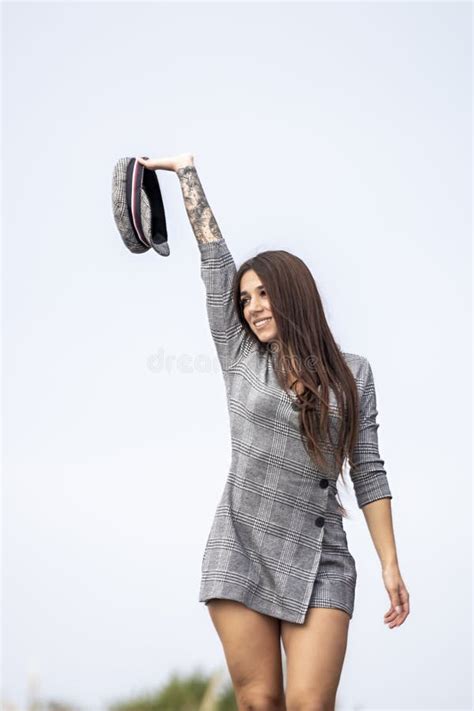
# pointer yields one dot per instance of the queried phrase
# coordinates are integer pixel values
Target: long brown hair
(306, 350)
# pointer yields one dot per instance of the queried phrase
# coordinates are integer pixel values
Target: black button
(295, 406)
(324, 483)
(319, 521)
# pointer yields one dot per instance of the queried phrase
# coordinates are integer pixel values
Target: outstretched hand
(172, 163)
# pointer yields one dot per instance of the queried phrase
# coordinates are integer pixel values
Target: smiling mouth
(261, 324)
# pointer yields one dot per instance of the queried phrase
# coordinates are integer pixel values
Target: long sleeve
(368, 473)
(217, 272)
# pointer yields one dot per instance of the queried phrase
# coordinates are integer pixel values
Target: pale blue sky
(341, 132)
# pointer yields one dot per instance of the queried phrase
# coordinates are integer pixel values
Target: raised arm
(217, 265)
(200, 215)
(217, 272)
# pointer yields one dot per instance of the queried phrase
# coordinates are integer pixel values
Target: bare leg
(251, 643)
(315, 654)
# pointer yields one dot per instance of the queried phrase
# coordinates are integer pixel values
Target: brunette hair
(305, 349)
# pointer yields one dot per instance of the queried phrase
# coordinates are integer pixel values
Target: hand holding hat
(170, 163)
(137, 204)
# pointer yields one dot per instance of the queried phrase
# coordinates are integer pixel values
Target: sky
(338, 131)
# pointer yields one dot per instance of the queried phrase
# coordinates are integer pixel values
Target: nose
(256, 310)
(255, 305)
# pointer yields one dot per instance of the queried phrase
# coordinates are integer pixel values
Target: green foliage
(192, 693)
(226, 701)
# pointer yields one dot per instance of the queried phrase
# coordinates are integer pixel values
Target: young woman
(276, 566)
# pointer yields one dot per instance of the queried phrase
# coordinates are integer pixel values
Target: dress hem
(271, 610)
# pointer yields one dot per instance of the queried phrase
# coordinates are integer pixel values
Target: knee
(253, 700)
(313, 702)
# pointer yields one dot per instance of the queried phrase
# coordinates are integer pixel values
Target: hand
(399, 597)
(170, 163)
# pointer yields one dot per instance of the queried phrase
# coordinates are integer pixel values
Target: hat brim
(138, 208)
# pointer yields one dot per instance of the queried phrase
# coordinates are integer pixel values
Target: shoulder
(358, 364)
(360, 368)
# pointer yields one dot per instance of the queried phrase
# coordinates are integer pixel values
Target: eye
(245, 299)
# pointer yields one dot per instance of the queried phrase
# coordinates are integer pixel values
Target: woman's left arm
(374, 498)
(378, 516)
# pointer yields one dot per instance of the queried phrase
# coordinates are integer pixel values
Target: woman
(276, 564)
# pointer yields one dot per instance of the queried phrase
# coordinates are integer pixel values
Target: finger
(401, 616)
(390, 617)
(395, 600)
(395, 622)
(405, 604)
(405, 611)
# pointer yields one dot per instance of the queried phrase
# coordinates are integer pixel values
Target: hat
(138, 207)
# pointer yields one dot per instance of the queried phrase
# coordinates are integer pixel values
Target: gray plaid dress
(277, 542)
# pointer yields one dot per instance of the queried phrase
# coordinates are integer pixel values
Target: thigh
(251, 644)
(315, 654)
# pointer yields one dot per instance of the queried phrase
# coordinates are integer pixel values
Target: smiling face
(256, 307)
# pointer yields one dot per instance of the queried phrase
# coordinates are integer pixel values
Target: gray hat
(138, 207)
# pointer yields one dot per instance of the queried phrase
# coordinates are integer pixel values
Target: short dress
(277, 542)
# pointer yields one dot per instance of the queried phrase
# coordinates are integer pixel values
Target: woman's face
(256, 306)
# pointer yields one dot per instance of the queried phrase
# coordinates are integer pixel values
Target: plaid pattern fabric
(120, 210)
(277, 542)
